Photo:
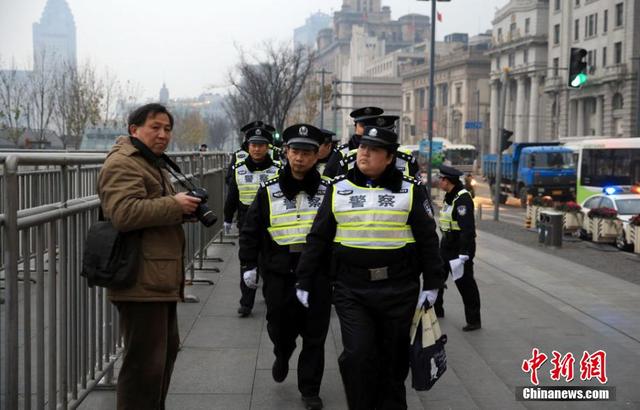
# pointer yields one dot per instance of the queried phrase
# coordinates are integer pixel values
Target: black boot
(312, 402)
(280, 370)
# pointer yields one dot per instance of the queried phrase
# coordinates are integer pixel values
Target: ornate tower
(54, 36)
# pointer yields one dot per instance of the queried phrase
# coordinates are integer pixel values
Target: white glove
(227, 228)
(303, 297)
(428, 295)
(250, 278)
(464, 258)
(457, 268)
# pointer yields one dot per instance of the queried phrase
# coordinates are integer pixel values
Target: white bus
(607, 162)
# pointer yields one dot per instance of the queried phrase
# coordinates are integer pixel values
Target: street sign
(473, 125)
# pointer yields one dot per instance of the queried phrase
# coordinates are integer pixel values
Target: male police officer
(248, 174)
(274, 232)
(458, 244)
(324, 151)
(334, 167)
(374, 221)
(243, 152)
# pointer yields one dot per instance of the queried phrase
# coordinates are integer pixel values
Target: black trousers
(375, 320)
(247, 295)
(287, 319)
(468, 289)
(151, 343)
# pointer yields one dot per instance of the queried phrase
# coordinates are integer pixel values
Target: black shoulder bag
(110, 259)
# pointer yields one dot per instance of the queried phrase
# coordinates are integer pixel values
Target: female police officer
(374, 221)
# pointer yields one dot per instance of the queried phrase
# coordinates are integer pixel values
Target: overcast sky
(190, 44)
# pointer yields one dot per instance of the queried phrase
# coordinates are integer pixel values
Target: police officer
(458, 245)
(324, 152)
(374, 222)
(334, 167)
(247, 175)
(243, 152)
(275, 231)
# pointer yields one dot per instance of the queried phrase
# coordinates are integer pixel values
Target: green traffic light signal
(579, 80)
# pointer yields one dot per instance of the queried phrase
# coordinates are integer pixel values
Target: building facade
(54, 36)
(306, 35)
(519, 46)
(610, 32)
(461, 95)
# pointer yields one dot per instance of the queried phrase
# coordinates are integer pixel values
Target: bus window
(602, 167)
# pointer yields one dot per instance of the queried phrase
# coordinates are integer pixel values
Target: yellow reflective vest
(372, 218)
(447, 223)
(248, 182)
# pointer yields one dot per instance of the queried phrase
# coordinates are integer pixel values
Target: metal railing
(59, 337)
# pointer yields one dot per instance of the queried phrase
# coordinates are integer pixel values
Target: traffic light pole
(432, 94)
(498, 183)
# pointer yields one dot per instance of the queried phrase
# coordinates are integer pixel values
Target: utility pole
(334, 105)
(322, 73)
(478, 121)
(503, 105)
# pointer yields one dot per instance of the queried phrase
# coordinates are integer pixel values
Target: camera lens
(205, 215)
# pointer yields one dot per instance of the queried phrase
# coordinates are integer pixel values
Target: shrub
(635, 221)
(569, 207)
(604, 213)
(544, 201)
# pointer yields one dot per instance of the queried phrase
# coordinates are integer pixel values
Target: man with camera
(247, 177)
(137, 195)
(274, 232)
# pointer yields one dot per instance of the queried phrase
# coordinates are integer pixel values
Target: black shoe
(471, 327)
(244, 311)
(312, 402)
(280, 370)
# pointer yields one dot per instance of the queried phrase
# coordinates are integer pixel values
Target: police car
(626, 203)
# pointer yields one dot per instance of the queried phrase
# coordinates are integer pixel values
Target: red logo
(591, 366)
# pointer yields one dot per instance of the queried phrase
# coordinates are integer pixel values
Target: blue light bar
(610, 190)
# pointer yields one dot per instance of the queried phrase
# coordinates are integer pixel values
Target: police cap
(363, 113)
(382, 121)
(303, 136)
(380, 137)
(451, 173)
(328, 135)
(257, 124)
(258, 136)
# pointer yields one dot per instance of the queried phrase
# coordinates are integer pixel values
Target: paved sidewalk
(529, 299)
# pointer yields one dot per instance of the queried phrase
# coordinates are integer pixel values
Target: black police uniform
(286, 317)
(233, 204)
(461, 242)
(375, 290)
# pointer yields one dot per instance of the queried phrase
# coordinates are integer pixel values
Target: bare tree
(42, 95)
(13, 102)
(267, 88)
(218, 131)
(111, 91)
(190, 130)
(78, 100)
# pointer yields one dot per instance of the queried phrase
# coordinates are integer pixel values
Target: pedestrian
(458, 245)
(274, 232)
(258, 167)
(136, 194)
(373, 221)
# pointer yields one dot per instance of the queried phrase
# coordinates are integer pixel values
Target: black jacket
(232, 202)
(255, 241)
(461, 242)
(420, 257)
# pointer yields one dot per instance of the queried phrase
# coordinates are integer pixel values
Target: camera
(203, 213)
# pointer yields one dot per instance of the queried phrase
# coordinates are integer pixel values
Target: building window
(527, 25)
(604, 56)
(445, 95)
(577, 3)
(617, 53)
(499, 34)
(525, 57)
(498, 66)
(458, 94)
(407, 103)
(421, 98)
(591, 60)
(591, 25)
(576, 30)
(619, 16)
(606, 21)
(512, 60)
(556, 34)
(556, 66)
(618, 101)
(556, 5)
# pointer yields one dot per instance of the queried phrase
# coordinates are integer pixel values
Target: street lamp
(432, 69)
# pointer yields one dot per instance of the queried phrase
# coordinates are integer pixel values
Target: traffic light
(505, 139)
(577, 68)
